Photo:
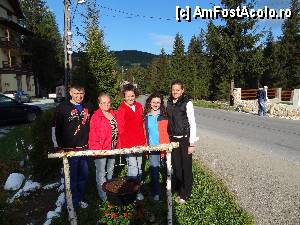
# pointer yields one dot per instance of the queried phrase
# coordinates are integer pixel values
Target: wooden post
(70, 207)
(169, 187)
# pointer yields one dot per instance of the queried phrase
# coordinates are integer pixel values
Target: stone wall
(274, 108)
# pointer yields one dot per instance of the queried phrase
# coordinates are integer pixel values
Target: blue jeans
(78, 178)
(134, 162)
(154, 158)
(261, 107)
(104, 172)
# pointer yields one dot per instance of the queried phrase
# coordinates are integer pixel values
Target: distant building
(15, 63)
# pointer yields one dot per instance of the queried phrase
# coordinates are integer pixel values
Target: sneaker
(83, 205)
(156, 198)
(180, 200)
(140, 197)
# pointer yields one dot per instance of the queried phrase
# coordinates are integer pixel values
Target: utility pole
(67, 43)
(122, 82)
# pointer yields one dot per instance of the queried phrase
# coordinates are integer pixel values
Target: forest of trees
(227, 54)
(45, 45)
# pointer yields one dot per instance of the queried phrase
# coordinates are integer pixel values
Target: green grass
(12, 141)
(213, 105)
(211, 203)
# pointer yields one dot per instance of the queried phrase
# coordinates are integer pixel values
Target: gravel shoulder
(266, 185)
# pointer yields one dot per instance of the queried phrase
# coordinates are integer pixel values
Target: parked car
(19, 96)
(11, 110)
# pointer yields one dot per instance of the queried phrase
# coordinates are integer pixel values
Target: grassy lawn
(211, 202)
(213, 105)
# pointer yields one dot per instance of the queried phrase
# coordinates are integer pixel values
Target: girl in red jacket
(131, 130)
(103, 135)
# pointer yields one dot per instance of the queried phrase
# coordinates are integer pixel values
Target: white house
(15, 63)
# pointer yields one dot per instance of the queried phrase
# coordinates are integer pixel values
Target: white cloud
(162, 40)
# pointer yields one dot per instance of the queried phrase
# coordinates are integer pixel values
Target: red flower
(105, 213)
(125, 215)
(110, 206)
(114, 215)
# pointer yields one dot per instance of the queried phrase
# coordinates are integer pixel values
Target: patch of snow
(14, 182)
(29, 186)
(50, 186)
(56, 213)
(58, 209)
(60, 200)
(48, 222)
(51, 215)
(61, 188)
(22, 163)
(4, 130)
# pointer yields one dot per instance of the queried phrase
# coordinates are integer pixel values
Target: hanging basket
(121, 191)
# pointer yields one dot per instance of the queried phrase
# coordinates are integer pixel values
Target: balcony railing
(16, 68)
(5, 43)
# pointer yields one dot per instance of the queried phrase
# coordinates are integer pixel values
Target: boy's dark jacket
(72, 126)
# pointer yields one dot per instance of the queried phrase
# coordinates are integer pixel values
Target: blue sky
(146, 34)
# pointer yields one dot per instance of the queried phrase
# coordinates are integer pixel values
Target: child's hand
(191, 149)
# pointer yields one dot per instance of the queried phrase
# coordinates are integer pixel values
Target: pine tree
(234, 54)
(178, 59)
(163, 73)
(290, 48)
(271, 75)
(45, 44)
(99, 61)
(216, 59)
(139, 76)
(239, 36)
(198, 77)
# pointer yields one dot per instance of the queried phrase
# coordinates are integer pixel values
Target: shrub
(42, 167)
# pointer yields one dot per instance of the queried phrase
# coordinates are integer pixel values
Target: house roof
(15, 26)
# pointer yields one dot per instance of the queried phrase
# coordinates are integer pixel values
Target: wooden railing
(5, 43)
(15, 68)
(286, 95)
(250, 94)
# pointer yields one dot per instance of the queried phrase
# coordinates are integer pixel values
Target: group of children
(132, 125)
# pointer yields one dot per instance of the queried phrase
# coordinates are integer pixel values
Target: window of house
(9, 15)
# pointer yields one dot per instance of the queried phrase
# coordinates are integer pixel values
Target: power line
(133, 15)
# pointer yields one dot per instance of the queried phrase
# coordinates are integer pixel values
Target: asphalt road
(280, 137)
(258, 159)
